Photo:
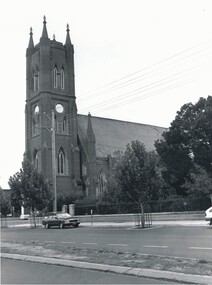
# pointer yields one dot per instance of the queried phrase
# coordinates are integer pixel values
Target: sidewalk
(155, 274)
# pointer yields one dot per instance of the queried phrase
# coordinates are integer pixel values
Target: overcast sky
(135, 60)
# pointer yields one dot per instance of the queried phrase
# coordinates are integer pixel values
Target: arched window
(61, 162)
(36, 160)
(55, 77)
(36, 80)
(62, 79)
(102, 183)
(35, 120)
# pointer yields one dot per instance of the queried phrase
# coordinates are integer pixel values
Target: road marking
(210, 248)
(159, 246)
(48, 241)
(89, 243)
(67, 242)
(117, 244)
(149, 228)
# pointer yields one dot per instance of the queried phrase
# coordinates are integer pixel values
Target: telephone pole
(54, 164)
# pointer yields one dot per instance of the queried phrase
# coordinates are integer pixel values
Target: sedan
(61, 220)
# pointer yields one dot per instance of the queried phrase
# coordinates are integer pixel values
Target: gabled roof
(112, 135)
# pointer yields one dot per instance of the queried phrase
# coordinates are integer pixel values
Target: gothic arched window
(61, 162)
(36, 81)
(102, 183)
(55, 77)
(35, 120)
(62, 78)
(36, 160)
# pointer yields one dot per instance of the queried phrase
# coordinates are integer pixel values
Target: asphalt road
(181, 241)
(22, 272)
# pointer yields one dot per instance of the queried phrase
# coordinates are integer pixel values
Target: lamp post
(54, 164)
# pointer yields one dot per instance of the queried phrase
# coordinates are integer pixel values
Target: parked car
(208, 215)
(60, 220)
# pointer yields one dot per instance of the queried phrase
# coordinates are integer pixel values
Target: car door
(51, 220)
(55, 221)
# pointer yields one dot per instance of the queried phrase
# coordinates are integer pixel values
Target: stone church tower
(50, 100)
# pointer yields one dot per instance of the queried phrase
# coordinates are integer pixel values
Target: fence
(159, 206)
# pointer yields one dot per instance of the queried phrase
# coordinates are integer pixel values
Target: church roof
(112, 135)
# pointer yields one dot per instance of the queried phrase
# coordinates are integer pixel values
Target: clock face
(59, 108)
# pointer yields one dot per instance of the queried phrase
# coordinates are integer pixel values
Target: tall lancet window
(36, 80)
(62, 79)
(55, 77)
(61, 162)
(36, 160)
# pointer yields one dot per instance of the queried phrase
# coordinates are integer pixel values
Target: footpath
(89, 260)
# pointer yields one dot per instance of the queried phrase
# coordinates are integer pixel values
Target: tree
(5, 205)
(29, 189)
(187, 142)
(138, 176)
(199, 185)
(71, 197)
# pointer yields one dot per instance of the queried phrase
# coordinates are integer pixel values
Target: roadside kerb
(125, 224)
(149, 273)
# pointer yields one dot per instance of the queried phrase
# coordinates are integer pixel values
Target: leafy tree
(29, 189)
(72, 197)
(199, 185)
(137, 175)
(112, 199)
(5, 205)
(187, 142)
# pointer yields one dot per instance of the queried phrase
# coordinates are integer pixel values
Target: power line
(96, 92)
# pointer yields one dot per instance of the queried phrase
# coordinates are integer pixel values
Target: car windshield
(64, 216)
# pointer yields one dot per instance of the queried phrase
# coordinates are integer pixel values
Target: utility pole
(54, 163)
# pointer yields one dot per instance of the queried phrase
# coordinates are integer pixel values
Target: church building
(73, 149)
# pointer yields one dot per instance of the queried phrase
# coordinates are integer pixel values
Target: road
(180, 241)
(34, 273)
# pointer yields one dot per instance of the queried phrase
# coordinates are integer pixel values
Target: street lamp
(54, 164)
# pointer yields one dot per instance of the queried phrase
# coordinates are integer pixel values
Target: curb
(150, 273)
(126, 224)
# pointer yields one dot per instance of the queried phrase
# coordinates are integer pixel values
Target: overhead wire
(94, 92)
(149, 86)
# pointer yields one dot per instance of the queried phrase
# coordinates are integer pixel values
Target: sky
(135, 60)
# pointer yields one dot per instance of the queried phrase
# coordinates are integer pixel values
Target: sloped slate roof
(112, 135)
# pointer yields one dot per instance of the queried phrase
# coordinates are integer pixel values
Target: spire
(68, 40)
(44, 34)
(90, 133)
(31, 43)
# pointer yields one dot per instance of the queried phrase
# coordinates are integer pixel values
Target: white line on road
(67, 242)
(89, 243)
(48, 241)
(117, 244)
(210, 248)
(159, 246)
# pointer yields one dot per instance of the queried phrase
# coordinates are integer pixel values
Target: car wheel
(76, 226)
(61, 225)
(210, 222)
(46, 225)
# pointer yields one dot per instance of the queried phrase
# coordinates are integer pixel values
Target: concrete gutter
(149, 273)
